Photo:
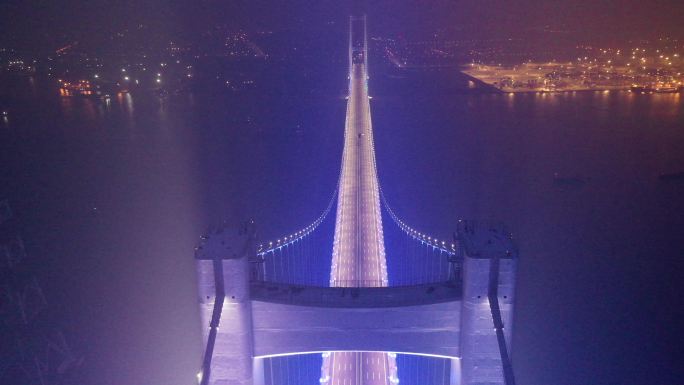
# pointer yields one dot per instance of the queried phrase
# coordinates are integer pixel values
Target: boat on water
(666, 90)
(568, 182)
(658, 89)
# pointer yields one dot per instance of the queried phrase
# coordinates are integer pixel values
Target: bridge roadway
(358, 248)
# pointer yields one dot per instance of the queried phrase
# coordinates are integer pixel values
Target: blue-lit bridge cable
(283, 241)
(444, 246)
(296, 258)
(420, 258)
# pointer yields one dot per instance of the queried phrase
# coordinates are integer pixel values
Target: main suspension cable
(287, 240)
(444, 246)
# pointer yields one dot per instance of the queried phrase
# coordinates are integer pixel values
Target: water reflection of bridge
(446, 300)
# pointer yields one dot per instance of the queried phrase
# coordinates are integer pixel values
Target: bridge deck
(358, 249)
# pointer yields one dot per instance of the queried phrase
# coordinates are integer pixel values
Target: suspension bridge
(286, 311)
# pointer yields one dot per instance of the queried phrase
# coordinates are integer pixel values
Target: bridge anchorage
(451, 301)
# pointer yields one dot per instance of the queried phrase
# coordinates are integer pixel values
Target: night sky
(47, 24)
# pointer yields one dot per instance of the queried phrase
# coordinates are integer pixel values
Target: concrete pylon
(489, 264)
(226, 312)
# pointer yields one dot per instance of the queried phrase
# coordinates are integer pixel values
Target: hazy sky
(53, 22)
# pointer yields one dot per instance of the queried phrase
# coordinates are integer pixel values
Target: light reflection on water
(584, 250)
(159, 171)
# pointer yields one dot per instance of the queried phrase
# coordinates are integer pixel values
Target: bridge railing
(358, 283)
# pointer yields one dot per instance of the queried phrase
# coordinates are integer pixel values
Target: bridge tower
(222, 261)
(358, 42)
(489, 266)
(358, 323)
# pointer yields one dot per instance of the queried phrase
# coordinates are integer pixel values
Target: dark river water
(113, 196)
